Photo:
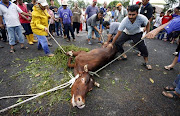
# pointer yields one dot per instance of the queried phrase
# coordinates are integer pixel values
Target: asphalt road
(125, 89)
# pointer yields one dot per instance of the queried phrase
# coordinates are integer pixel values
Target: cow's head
(81, 86)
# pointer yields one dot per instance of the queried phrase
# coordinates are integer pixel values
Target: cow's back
(95, 58)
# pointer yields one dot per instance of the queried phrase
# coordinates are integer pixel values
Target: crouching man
(130, 30)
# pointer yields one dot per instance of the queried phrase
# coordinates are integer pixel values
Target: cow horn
(86, 68)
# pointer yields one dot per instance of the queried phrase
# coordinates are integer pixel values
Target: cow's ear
(86, 68)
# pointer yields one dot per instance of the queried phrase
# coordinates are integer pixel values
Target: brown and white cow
(84, 62)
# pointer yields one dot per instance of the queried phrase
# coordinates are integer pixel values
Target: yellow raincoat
(39, 21)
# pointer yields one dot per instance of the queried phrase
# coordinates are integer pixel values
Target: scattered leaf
(37, 75)
(44, 82)
(157, 65)
(152, 81)
(155, 50)
(141, 70)
(1, 81)
(113, 82)
(165, 73)
(17, 59)
(28, 110)
(5, 71)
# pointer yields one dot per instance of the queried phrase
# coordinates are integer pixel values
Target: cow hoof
(70, 53)
(96, 84)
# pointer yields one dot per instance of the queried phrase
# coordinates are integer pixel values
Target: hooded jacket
(39, 21)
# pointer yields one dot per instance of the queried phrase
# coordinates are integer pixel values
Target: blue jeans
(90, 29)
(67, 28)
(177, 84)
(42, 43)
(57, 25)
(161, 34)
(11, 33)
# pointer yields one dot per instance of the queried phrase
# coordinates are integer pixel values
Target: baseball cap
(119, 4)
(138, 2)
(42, 2)
(94, 0)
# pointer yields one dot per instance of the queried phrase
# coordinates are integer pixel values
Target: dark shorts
(52, 27)
(136, 38)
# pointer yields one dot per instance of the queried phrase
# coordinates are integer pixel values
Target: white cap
(13, 1)
(42, 2)
(64, 2)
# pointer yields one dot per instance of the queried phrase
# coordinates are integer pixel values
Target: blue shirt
(174, 25)
(91, 10)
(113, 13)
(66, 15)
(104, 11)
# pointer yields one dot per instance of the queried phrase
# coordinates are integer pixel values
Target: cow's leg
(76, 53)
(73, 53)
(69, 63)
(96, 84)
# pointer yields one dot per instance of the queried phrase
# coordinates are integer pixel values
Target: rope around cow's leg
(95, 73)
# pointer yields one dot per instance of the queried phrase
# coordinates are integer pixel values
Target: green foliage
(169, 4)
(46, 73)
(125, 3)
(113, 4)
(81, 3)
(56, 3)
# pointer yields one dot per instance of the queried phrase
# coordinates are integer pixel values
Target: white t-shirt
(108, 16)
(131, 29)
(10, 14)
(158, 21)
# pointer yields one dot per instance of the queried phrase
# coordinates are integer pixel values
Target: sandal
(169, 88)
(12, 50)
(149, 67)
(168, 67)
(68, 40)
(24, 47)
(123, 58)
(49, 44)
(174, 96)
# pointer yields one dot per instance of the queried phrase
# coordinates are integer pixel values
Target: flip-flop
(24, 47)
(174, 96)
(169, 88)
(12, 51)
(149, 67)
(168, 68)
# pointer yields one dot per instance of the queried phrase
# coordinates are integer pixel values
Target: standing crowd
(123, 24)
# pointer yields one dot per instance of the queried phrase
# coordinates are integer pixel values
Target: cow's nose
(79, 99)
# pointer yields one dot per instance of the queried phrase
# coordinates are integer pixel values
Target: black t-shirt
(147, 11)
(30, 6)
(52, 8)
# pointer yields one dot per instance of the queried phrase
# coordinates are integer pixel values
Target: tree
(125, 3)
(81, 3)
(169, 4)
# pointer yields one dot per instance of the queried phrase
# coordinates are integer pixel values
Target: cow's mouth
(81, 106)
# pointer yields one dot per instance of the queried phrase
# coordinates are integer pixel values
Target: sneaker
(50, 55)
(89, 43)
(175, 53)
(100, 42)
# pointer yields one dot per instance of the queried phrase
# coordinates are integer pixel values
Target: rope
(55, 40)
(70, 82)
(95, 73)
